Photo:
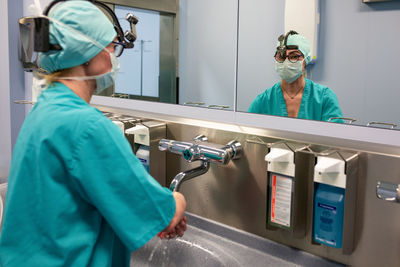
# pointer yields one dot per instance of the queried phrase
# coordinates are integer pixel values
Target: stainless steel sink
(207, 243)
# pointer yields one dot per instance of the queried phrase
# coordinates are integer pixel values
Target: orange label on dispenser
(281, 200)
(273, 198)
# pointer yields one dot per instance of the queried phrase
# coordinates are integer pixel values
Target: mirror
(191, 64)
(223, 61)
(353, 37)
(148, 71)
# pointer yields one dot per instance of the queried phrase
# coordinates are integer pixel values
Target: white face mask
(103, 81)
(289, 71)
(106, 80)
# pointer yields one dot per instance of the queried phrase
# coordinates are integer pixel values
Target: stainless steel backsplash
(236, 195)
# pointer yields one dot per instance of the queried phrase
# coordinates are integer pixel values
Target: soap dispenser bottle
(328, 215)
(143, 154)
(142, 140)
(329, 201)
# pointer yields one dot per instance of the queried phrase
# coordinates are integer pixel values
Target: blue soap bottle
(328, 215)
(143, 154)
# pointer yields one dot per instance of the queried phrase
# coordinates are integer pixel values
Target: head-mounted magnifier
(34, 34)
(283, 47)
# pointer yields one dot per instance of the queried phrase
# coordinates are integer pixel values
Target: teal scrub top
(317, 103)
(77, 195)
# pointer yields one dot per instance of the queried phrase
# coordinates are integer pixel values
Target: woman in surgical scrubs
(295, 96)
(77, 195)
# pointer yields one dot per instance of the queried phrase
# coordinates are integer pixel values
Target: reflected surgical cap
(83, 17)
(302, 43)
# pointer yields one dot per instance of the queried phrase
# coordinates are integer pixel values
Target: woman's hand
(177, 226)
(178, 231)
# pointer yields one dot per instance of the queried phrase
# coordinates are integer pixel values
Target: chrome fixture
(201, 138)
(189, 174)
(24, 102)
(391, 125)
(176, 147)
(193, 103)
(217, 106)
(200, 150)
(388, 191)
(193, 151)
(350, 120)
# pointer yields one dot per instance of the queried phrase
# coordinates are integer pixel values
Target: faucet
(199, 150)
(189, 174)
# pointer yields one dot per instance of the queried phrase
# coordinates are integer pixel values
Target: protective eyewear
(283, 47)
(292, 57)
(118, 48)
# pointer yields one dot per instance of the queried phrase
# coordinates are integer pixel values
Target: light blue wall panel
(16, 74)
(5, 137)
(207, 51)
(260, 24)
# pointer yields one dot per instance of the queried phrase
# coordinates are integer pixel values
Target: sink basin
(207, 243)
(182, 251)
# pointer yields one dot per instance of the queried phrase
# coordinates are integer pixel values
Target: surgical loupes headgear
(128, 38)
(282, 44)
(38, 35)
(293, 40)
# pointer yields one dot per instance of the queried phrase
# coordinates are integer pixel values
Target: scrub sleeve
(77, 195)
(117, 184)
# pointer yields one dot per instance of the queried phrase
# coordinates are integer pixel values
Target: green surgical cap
(83, 17)
(302, 43)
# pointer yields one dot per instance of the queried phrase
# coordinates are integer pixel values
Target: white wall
(5, 138)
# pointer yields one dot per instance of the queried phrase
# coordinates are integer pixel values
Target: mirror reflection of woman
(295, 96)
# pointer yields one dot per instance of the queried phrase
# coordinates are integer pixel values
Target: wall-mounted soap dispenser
(335, 187)
(114, 118)
(124, 123)
(287, 188)
(142, 143)
(146, 137)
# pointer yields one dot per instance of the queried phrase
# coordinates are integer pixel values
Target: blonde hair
(52, 77)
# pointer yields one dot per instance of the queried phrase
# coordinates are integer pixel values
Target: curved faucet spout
(189, 174)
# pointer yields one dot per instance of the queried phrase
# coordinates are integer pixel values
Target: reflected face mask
(289, 71)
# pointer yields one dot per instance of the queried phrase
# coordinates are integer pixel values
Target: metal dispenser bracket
(282, 160)
(149, 133)
(339, 168)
